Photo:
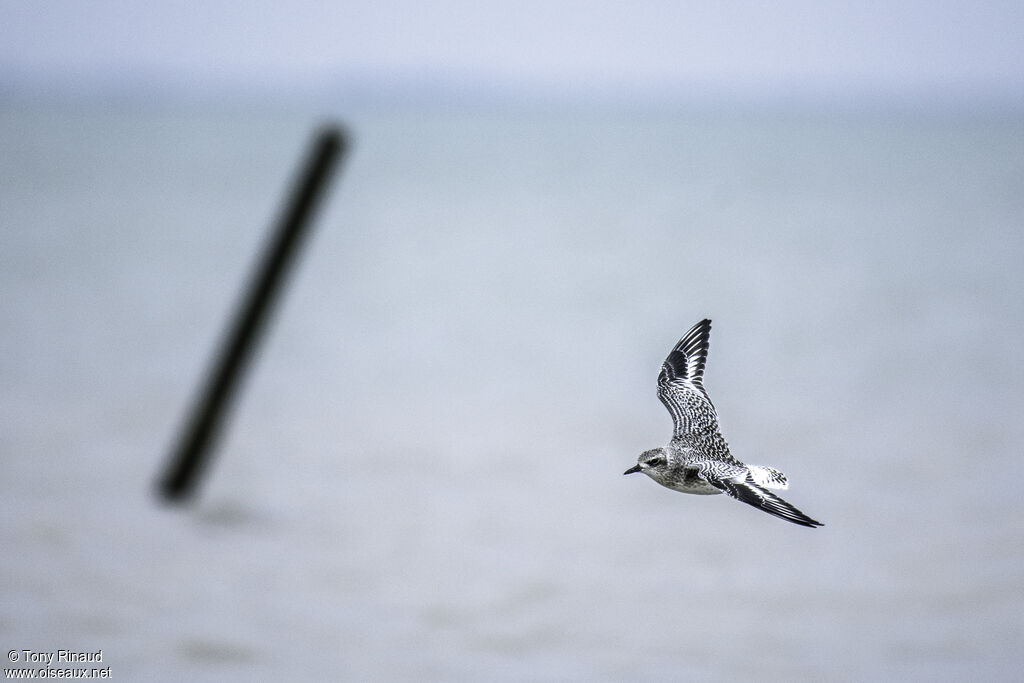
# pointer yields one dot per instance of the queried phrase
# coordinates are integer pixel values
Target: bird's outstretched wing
(752, 494)
(681, 383)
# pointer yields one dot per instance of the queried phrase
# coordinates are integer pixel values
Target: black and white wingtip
(687, 359)
(752, 494)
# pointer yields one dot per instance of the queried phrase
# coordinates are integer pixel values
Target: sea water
(422, 479)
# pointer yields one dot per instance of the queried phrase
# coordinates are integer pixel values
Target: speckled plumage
(697, 459)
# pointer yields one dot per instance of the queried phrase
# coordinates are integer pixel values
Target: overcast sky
(806, 45)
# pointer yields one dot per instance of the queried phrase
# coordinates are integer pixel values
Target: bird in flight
(697, 459)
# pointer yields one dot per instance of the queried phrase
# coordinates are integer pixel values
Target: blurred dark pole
(192, 453)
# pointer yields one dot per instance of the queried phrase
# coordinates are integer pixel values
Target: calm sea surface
(423, 479)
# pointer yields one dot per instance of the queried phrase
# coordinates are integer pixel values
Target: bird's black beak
(632, 470)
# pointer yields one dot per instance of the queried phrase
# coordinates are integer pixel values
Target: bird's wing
(681, 383)
(747, 491)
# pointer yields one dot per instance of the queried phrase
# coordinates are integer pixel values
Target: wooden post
(192, 452)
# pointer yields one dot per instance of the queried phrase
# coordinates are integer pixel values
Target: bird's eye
(654, 462)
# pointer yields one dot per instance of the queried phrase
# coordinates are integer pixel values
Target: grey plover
(697, 459)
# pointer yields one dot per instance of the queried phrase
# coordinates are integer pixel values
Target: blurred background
(423, 477)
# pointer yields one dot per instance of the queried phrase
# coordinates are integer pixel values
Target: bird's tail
(768, 477)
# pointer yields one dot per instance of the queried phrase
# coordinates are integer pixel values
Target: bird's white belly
(695, 486)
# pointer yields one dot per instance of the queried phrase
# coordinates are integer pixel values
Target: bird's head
(653, 463)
